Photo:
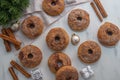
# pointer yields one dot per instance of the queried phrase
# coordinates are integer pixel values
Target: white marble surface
(107, 68)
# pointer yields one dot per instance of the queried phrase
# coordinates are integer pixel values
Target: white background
(107, 68)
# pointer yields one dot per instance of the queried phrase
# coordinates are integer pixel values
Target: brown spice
(10, 39)
(13, 73)
(101, 8)
(19, 68)
(6, 43)
(96, 11)
(11, 34)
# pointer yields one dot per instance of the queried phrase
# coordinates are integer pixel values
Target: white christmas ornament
(15, 26)
(90, 70)
(75, 39)
(87, 72)
(37, 75)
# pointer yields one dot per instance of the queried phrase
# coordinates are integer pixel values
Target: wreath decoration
(11, 10)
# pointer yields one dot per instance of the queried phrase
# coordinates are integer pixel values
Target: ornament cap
(75, 39)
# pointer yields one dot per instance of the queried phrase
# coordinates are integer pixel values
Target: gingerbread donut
(78, 19)
(108, 34)
(32, 27)
(53, 7)
(89, 52)
(67, 73)
(57, 39)
(30, 56)
(58, 60)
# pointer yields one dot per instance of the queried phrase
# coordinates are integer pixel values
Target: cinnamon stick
(96, 11)
(6, 43)
(13, 73)
(12, 40)
(19, 68)
(101, 8)
(11, 34)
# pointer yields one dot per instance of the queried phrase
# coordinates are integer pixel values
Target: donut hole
(69, 78)
(110, 33)
(30, 55)
(31, 25)
(90, 51)
(59, 63)
(79, 18)
(57, 38)
(53, 3)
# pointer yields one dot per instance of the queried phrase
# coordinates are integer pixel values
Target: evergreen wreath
(11, 10)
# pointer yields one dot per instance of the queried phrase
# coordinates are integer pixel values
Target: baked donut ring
(67, 73)
(30, 56)
(58, 60)
(57, 39)
(32, 27)
(89, 52)
(78, 20)
(53, 7)
(108, 34)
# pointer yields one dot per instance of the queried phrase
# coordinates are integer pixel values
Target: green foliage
(11, 10)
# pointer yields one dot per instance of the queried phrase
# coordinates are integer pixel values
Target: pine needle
(11, 10)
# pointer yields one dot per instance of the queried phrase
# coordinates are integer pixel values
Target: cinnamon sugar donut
(58, 60)
(67, 73)
(108, 34)
(32, 27)
(78, 19)
(57, 39)
(30, 56)
(89, 52)
(53, 7)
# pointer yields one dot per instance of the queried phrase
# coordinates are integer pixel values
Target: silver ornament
(90, 70)
(75, 39)
(86, 75)
(36, 74)
(87, 72)
(15, 26)
(70, 1)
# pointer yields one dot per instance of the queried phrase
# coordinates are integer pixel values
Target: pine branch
(11, 10)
